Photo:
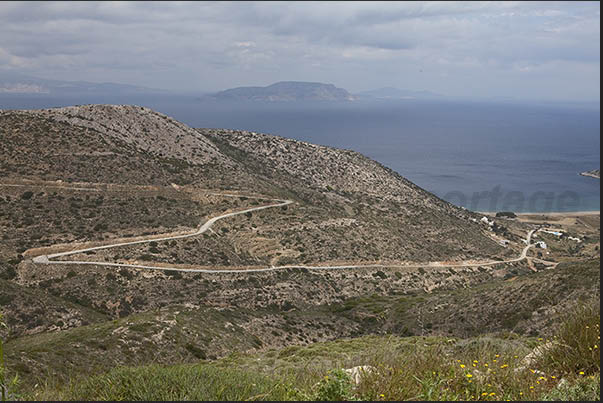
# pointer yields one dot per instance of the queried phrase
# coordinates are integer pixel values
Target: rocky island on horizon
(284, 91)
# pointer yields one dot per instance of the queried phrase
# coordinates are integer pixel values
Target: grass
(403, 368)
(183, 382)
(7, 384)
(576, 346)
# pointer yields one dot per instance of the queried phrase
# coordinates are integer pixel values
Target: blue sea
(484, 156)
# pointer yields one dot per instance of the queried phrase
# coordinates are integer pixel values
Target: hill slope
(346, 196)
(101, 175)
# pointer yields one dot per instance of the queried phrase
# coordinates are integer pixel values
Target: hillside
(343, 196)
(285, 91)
(356, 250)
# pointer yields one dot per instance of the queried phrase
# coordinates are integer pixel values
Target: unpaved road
(47, 259)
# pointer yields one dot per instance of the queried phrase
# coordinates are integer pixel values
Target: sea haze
(485, 156)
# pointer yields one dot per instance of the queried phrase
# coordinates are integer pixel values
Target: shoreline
(553, 213)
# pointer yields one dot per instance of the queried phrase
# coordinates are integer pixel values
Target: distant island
(285, 91)
(21, 84)
(595, 173)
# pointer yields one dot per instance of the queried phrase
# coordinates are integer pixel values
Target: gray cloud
(530, 49)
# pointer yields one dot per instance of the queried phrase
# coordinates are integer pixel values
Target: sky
(526, 50)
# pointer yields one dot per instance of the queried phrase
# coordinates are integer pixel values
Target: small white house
(487, 222)
(556, 233)
(541, 244)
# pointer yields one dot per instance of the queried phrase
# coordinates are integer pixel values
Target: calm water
(483, 156)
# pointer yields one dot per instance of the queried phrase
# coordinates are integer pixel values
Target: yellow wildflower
(581, 372)
(492, 394)
(462, 365)
(469, 376)
(504, 366)
(485, 394)
(486, 364)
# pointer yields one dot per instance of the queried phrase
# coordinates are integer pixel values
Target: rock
(356, 373)
(531, 359)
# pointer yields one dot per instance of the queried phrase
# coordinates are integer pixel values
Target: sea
(480, 155)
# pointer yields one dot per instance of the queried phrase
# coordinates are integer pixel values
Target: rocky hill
(134, 145)
(286, 91)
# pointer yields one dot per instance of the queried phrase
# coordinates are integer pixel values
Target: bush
(576, 349)
(335, 386)
(27, 195)
(583, 389)
(509, 214)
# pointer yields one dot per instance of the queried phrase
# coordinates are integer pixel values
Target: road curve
(46, 259)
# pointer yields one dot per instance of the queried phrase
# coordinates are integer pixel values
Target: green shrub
(335, 386)
(582, 389)
(576, 346)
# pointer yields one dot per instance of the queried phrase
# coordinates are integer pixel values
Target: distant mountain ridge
(16, 83)
(286, 91)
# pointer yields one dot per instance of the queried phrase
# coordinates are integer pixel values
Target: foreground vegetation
(564, 367)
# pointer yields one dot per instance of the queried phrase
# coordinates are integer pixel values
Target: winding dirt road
(47, 259)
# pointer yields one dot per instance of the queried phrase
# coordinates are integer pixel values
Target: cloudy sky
(530, 50)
